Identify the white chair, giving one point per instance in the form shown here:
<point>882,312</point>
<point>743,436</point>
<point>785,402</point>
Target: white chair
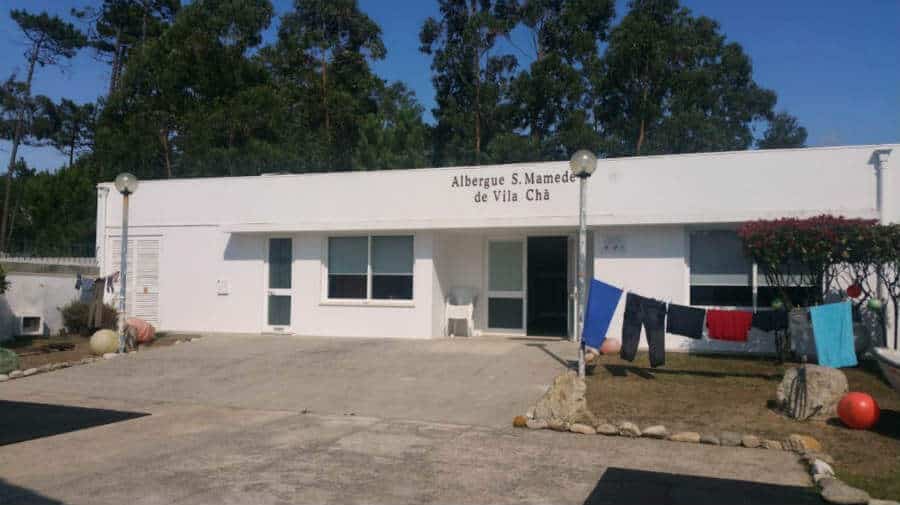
<point>460,305</point>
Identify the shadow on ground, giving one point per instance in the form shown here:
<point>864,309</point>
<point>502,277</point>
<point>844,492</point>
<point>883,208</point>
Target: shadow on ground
<point>888,424</point>
<point>10,493</point>
<point>648,373</point>
<point>638,487</point>
<point>21,421</point>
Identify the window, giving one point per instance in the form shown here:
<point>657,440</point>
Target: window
<point>722,276</point>
<point>392,268</point>
<point>377,268</point>
<point>720,273</point>
<point>348,269</point>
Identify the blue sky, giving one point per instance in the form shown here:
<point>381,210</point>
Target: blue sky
<point>834,64</point>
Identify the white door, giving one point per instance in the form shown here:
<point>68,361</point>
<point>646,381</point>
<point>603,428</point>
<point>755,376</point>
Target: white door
<point>279,282</point>
<point>142,295</point>
<point>506,286</point>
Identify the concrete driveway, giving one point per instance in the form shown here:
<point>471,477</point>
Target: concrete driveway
<point>236,419</point>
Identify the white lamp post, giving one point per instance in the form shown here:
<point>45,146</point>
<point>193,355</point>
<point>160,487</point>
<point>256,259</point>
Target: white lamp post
<point>126,184</point>
<point>582,164</point>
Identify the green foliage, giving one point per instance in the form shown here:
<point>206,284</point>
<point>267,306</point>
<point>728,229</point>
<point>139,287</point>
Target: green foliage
<point>800,252</point>
<point>52,211</point>
<point>75,317</point>
<point>549,98</point>
<point>784,131</point>
<point>4,284</point>
<point>9,361</point>
<point>669,83</point>
<point>470,82</point>
<point>49,37</point>
<point>117,26</point>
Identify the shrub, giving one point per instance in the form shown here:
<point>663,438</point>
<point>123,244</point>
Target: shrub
<point>9,361</point>
<point>4,284</point>
<point>75,317</point>
<point>803,252</point>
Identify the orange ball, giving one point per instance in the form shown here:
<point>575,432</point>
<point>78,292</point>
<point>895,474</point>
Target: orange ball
<point>610,346</point>
<point>858,410</point>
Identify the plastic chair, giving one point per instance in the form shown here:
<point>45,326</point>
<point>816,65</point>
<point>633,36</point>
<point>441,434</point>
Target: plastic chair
<point>460,305</point>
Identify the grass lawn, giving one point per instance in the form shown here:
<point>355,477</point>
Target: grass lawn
<point>35,351</point>
<point>711,394</point>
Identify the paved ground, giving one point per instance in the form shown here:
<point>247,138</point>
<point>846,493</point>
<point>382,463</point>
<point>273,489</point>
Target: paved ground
<point>268,420</point>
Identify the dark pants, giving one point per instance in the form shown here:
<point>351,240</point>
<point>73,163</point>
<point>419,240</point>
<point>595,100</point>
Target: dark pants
<point>651,314</point>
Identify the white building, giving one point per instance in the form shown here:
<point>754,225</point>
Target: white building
<point>376,253</point>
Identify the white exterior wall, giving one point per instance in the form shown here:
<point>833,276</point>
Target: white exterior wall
<point>215,229</point>
<point>653,261</point>
<point>36,294</point>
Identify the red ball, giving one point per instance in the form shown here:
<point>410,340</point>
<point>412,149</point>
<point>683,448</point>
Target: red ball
<point>858,410</point>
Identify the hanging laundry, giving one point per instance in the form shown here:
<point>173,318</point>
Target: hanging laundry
<point>770,320</point>
<point>651,315</point>
<point>802,341</point>
<point>602,302</point>
<point>833,333</point>
<point>686,321</point>
<point>730,325</point>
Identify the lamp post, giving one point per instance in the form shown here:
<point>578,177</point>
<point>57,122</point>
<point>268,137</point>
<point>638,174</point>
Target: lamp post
<point>126,184</point>
<point>582,164</point>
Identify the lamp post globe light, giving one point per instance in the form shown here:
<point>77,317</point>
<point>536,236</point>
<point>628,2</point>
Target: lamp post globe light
<point>583,163</point>
<point>126,184</point>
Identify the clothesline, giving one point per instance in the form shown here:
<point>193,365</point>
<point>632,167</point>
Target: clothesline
<point>832,325</point>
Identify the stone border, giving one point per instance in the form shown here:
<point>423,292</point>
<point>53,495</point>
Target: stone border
<point>808,448</point>
<point>50,367</point>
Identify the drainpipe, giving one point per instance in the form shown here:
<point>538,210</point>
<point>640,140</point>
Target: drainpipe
<point>879,160</point>
<point>100,233</point>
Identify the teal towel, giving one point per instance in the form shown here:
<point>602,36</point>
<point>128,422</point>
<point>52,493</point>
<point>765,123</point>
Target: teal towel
<point>833,332</point>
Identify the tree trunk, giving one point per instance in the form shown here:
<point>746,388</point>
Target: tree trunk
<point>17,139</point>
<point>896,305</point>
<point>476,73</point>
<point>325,94</point>
<point>164,141</point>
<point>116,63</point>
<point>640,140</point>
<point>72,141</point>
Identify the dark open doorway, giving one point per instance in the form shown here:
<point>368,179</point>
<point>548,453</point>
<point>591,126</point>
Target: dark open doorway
<point>548,300</point>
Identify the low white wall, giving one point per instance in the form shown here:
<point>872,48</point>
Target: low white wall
<point>33,294</point>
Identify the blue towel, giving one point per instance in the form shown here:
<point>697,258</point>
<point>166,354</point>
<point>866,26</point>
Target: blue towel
<point>833,332</point>
<point>602,302</point>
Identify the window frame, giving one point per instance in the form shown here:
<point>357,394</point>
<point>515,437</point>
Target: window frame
<point>326,298</point>
<point>755,273</point>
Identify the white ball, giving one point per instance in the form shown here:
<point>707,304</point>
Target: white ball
<point>104,341</point>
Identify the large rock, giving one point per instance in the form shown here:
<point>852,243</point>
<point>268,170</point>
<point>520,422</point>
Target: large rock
<point>835,491</point>
<point>565,401</point>
<point>802,443</point>
<point>9,361</point>
<point>811,392</point>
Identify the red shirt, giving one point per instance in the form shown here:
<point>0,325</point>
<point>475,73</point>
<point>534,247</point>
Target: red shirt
<point>729,324</point>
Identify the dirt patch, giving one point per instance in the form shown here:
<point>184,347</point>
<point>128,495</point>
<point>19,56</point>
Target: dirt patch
<point>710,394</point>
<point>37,351</point>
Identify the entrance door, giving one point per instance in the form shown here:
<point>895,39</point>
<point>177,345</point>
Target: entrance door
<point>548,299</point>
<point>506,286</point>
<point>278,296</point>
